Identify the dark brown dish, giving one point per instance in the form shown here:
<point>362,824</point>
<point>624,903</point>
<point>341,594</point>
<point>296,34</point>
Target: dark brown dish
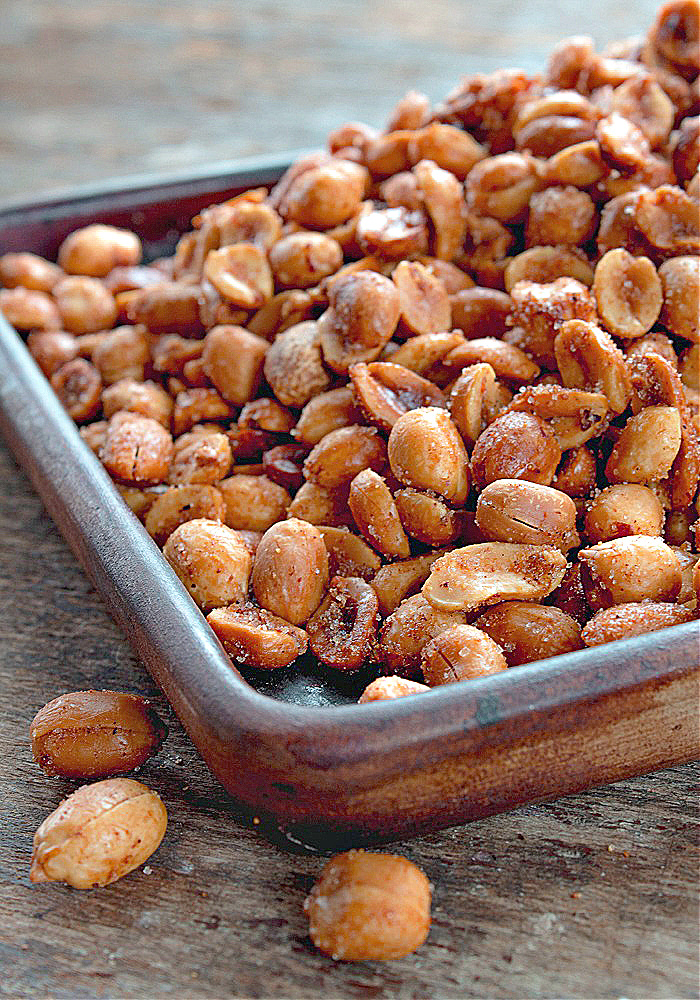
<point>287,748</point>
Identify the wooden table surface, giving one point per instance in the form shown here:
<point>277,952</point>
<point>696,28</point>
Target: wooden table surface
<point>591,896</point>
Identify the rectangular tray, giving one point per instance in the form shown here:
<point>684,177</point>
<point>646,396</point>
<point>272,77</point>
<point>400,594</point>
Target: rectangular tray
<point>328,773</point>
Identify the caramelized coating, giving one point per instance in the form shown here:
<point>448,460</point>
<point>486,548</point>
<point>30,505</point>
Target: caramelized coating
<point>527,632</point>
<point>460,653</point>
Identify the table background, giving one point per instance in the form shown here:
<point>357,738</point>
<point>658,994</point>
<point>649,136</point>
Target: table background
<point>591,896</point>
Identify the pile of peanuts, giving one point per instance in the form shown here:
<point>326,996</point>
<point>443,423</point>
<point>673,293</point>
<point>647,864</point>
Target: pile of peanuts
<point>431,402</point>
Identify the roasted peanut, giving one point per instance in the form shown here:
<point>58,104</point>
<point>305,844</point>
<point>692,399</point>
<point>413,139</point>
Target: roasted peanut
<point>576,476</point>
<point>574,415</point>
<point>628,293</point>
<point>293,364</point>
<point>92,734</point>
<point>85,304</point>
<point>192,406</point>
<point>98,834</point>
<point>339,456</point>
<point>233,359</point>
<point>514,510</point>
<point>560,216</point>
<point>51,349</point>
<point>180,504</point>
<point>325,195</point>
<point>647,446</point>
<point>428,519</point>
<point>343,630</point>
<point>444,203</point>
<point>290,570</point>
<point>77,384</point>
<point>384,391</point>
<point>325,413</point>
<point>507,361</point>
<point>394,582</point>
<point>388,688</point>
<point>301,260</point>
<point>364,308</point>
<point>253,503</point>
<point>515,446</point>
<point>391,233</point>
<point>623,621</point>
<point>480,312</point>
<point>145,398</point>
<point>256,637</point>
<point>241,274</point>
<point>136,450</point>
<point>527,632</point>
<point>211,560</point>
<point>407,630</point>
<point>200,457</point>
<point>317,505</point>
<point>29,309</point>
<point>369,907</point>
<point>96,249</point>
<point>423,354</point>
<point>122,353</point>
<point>630,569</point>
<point>627,509</point>
<point>423,300</point>
<point>348,554</point>
<point>680,281</point>
<point>588,358</point>
<point>489,572</point>
<point>27,270</point>
<point>376,516</point>
<point>426,452</point>
<point>545,265</point>
<point>460,653</point>
<point>501,186</point>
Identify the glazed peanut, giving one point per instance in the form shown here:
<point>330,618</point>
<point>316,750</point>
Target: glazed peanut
<point>527,632</point>
<point>630,569</point>
<point>486,573</point>
<point>87,735</point>
<point>515,446</point>
<point>96,249</point>
<point>627,509</point>
<point>290,571</point>
<point>343,630</point>
<point>628,293</point>
<point>460,653</point>
<point>179,504</point>
<point>476,329</point>
<point>211,560</point>
<point>513,510</point>
<point>98,834</point>
<point>388,688</point>
<point>136,450</point>
<point>233,359</point>
<point>647,446</point>
<point>427,453</point>
<point>627,620</point>
<point>257,638</point>
<point>369,907</point>
<point>376,516</point>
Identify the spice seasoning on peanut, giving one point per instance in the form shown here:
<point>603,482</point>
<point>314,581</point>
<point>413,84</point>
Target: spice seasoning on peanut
<point>92,734</point>
<point>441,356</point>
<point>98,834</point>
<point>369,907</point>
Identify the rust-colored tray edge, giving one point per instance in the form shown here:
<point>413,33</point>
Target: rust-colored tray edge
<point>344,772</point>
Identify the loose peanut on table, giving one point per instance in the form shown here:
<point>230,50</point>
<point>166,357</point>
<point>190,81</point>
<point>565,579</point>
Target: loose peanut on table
<point>98,834</point>
<point>92,734</point>
<point>442,376</point>
<point>369,907</point>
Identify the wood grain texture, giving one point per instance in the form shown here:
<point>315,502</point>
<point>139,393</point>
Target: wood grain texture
<point>219,914</point>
